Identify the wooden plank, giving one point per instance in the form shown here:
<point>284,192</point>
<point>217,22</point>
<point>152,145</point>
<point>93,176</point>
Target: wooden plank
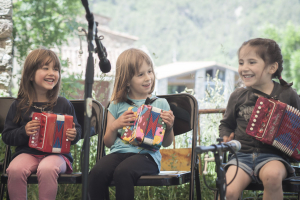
<point>176,159</point>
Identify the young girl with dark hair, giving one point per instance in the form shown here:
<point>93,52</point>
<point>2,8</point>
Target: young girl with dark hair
<point>126,163</point>
<point>38,92</point>
<point>260,61</point>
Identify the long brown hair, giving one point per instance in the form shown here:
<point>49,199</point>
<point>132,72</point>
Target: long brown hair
<point>127,66</point>
<point>270,52</point>
<point>34,61</point>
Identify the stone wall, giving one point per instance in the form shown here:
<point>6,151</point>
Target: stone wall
<point>6,27</point>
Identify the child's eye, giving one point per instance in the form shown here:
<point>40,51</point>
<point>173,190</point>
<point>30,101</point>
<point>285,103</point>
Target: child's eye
<point>240,63</point>
<point>140,74</point>
<point>149,71</point>
<point>56,69</point>
<point>45,68</point>
<point>251,62</point>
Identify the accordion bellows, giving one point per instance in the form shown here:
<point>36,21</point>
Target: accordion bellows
<point>51,136</point>
<point>148,129</point>
<point>277,124</point>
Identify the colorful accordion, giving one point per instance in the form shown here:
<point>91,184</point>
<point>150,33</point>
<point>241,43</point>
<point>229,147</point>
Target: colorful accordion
<point>51,136</point>
<point>148,129</point>
<point>277,124</point>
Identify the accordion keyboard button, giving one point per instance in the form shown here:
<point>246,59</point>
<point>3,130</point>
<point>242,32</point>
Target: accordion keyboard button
<point>254,120</point>
<point>257,112</point>
<point>256,116</point>
<point>252,124</point>
<point>261,103</point>
<point>259,107</point>
<point>251,129</point>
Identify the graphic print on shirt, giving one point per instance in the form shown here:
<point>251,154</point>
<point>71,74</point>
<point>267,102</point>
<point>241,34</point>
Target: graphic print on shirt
<point>246,112</point>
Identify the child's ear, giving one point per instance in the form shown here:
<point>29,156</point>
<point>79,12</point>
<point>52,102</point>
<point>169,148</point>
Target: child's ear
<point>273,67</point>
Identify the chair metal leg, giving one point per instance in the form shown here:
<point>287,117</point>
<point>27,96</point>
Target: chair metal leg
<point>2,191</point>
<point>198,190</point>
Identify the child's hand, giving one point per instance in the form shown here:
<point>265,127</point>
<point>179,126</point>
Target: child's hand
<point>168,118</point>
<point>71,133</point>
<point>227,139</point>
<point>32,127</point>
<point>126,119</point>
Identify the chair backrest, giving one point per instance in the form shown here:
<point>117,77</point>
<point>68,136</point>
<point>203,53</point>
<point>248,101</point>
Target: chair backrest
<point>5,103</point>
<point>96,119</point>
<point>185,109</point>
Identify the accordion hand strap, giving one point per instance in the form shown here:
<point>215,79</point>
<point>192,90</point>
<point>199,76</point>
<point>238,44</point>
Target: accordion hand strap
<point>147,102</point>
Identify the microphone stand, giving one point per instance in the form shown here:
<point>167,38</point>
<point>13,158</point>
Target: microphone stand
<point>221,180</point>
<point>89,80</point>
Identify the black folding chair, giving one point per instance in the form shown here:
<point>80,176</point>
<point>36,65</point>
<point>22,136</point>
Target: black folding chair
<point>75,177</point>
<point>185,109</point>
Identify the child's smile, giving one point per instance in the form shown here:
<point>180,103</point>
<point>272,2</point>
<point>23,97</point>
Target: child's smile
<point>45,78</point>
<point>253,70</point>
<point>141,83</point>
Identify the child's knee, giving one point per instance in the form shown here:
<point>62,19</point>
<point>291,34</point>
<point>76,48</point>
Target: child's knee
<point>232,193</point>
<point>48,170</point>
<point>18,172</point>
<point>121,173</point>
<point>273,181</point>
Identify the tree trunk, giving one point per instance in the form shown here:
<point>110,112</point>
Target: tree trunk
<point>6,28</point>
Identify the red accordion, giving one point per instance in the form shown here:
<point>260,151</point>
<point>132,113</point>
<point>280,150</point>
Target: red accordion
<point>51,136</point>
<point>277,124</point>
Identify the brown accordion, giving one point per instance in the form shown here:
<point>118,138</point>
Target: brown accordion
<point>277,124</point>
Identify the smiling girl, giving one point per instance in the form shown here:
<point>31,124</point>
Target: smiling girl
<point>38,92</point>
<point>260,61</point>
<point>126,163</point>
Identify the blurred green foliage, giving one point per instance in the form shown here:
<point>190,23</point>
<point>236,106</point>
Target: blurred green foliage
<point>288,39</point>
<point>43,23</point>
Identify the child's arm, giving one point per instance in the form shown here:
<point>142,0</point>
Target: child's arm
<point>228,123</point>
<point>113,125</point>
<point>168,118</point>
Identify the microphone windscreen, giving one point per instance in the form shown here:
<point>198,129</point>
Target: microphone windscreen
<point>104,65</point>
<point>235,144</point>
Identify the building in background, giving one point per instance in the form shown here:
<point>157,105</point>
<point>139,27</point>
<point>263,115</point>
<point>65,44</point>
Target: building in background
<point>177,76</point>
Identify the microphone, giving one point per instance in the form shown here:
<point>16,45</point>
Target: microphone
<point>234,144</point>
<point>104,63</point>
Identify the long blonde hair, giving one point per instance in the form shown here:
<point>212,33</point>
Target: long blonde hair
<point>34,61</point>
<point>127,66</point>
